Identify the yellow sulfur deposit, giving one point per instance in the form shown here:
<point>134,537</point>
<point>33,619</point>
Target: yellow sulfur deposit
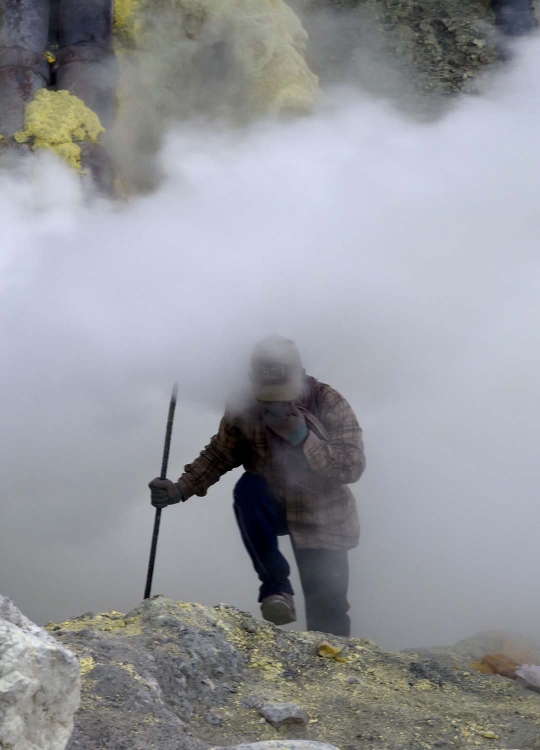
<point>87,665</point>
<point>57,120</point>
<point>132,672</point>
<point>269,45</point>
<point>226,61</point>
<point>107,622</point>
<point>262,43</point>
<point>128,19</point>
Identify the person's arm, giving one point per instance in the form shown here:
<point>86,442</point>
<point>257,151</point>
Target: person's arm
<point>221,455</point>
<point>337,454</point>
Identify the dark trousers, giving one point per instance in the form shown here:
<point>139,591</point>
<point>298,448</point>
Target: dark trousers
<point>324,573</point>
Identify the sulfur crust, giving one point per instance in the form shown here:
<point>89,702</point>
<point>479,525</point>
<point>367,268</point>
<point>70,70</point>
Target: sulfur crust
<point>59,121</point>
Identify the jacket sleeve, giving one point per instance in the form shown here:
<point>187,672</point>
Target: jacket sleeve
<point>336,453</point>
<point>221,455</point>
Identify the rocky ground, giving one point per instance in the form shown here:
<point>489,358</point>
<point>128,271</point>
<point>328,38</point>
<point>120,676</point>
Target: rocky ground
<point>436,46</point>
<point>174,675</point>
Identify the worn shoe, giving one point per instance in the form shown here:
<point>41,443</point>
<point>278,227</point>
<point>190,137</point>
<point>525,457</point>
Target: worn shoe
<point>278,609</point>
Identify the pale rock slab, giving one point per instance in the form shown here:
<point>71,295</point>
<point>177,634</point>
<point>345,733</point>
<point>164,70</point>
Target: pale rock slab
<point>40,685</point>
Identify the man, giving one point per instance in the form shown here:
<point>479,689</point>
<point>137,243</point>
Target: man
<point>300,444</point>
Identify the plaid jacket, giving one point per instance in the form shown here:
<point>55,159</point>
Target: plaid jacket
<point>309,480</point>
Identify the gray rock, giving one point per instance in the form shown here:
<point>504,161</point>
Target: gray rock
<point>529,676</point>
<point>213,719</point>
<point>279,714</point>
<point>256,700</point>
<point>40,685</point>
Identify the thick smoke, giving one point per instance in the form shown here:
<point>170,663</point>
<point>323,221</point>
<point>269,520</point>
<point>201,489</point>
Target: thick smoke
<point>401,257</point>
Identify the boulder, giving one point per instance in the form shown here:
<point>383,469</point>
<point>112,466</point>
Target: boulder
<point>281,714</point>
<point>39,685</point>
<point>529,676</point>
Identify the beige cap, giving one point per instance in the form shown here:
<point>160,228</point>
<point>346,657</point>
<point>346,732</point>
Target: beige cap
<point>277,373</point>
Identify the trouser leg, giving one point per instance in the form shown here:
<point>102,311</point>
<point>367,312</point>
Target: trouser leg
<point>261,519</point>
<point>325,579</point>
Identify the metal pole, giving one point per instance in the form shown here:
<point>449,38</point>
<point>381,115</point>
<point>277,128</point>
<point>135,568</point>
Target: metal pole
<point>164,464</point>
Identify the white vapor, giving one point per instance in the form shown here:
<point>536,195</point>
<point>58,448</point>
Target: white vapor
<point>402,258</point>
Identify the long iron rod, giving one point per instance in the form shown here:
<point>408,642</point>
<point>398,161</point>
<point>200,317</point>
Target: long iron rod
<point>163,475</point>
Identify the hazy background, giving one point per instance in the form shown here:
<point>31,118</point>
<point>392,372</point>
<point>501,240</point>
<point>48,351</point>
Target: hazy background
<point>402,258</point>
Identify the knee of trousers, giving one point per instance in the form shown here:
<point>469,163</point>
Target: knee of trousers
<point>248,487</point>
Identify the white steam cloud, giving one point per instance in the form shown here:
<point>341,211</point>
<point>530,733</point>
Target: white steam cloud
<point>402,258</point>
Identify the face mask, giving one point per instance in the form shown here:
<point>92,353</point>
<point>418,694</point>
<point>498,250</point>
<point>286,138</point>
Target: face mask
<point>277,408</point>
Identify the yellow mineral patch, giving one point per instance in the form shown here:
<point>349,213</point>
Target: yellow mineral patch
<point>424,685</point>
<point>57,121</point>
<point>257,645</point>
<point>265,39</point>
<point>269,668</point>
<point>107,621</point>
<point>132,672</point>
<point>87,665</point>
<point>128,21</point>
<point>269,43</point>
<point>115,624</point>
